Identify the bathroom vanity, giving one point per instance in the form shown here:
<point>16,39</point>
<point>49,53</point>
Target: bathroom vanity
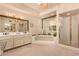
<point>13,31</point>
<point>16,40</point>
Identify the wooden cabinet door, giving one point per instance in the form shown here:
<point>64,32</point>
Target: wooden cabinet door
<point>2,43</point>
<point>18,41</point>
<point>27,39</point>
<point>9,44</point>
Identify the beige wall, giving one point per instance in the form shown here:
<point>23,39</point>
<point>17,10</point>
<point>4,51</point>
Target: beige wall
<point>36,28</point>
<point>67,7</point>
<point>36,21</point>
<point>63,7</point>
<point>7,11</point>
<point>32,20</point>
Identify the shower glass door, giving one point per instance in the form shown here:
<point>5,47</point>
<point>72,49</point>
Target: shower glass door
<point>69,30</point>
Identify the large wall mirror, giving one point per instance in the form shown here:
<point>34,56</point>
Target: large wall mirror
<point>12,24</point>
<point>49,25</point>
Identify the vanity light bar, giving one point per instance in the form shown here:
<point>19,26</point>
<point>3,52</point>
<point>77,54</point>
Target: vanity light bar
<point>13,17</point>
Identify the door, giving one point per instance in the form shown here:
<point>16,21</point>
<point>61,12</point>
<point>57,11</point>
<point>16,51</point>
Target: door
<point>64,30</point>
<point>75,30</point>
<point>69,30</point>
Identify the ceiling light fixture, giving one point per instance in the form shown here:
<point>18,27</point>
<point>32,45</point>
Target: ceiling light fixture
<point>43,5</point>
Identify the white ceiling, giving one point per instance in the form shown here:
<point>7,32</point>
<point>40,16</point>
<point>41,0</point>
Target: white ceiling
<point>31,8</point>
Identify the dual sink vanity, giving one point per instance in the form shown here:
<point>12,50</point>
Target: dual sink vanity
<point>13,32</point>
<point>14,40</point>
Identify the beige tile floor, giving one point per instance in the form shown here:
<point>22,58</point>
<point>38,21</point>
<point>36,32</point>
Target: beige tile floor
<point>42,50</point>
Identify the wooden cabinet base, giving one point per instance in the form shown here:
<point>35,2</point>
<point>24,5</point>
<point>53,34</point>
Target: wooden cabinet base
<point>16,47</point>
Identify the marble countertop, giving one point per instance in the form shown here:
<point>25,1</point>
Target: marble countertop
<point>10,35</point>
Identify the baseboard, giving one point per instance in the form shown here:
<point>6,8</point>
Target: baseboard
<point>16,47</point>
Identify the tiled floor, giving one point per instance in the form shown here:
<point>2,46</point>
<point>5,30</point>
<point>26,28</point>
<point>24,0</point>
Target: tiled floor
<point>42,50</point>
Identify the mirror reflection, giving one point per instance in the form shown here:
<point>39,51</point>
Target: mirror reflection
<point>49,26</point>
<point>9,24</point>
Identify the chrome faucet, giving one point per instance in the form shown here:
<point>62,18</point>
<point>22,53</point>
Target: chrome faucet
<point>5,33</point>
